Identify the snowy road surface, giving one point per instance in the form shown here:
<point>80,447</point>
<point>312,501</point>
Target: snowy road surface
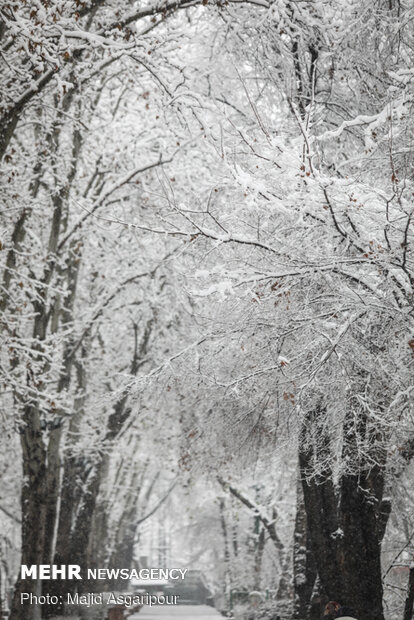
<point>178,612</point>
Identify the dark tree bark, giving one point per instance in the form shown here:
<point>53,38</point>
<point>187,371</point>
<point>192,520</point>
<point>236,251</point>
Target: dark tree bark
<point>409,601</point>
<point>321,506</point>
<point>346,521</point>
<point>33,508</point>
<point>79,497</point>
<point>82,479</point>
<point>304,569</point>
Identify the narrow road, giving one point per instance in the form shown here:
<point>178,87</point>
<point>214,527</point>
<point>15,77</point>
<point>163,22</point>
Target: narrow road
<point>177,612</point>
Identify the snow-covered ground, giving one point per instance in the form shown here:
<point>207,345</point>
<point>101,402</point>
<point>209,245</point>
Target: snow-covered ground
<point>180,612</point>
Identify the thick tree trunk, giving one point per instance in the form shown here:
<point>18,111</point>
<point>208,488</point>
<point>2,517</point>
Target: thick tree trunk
<point>346,521</point>
<point>72,547</point>
<point>122,543</point>
<point>98,552</point>
<point>80,490</point>
<point>361,549</point>
<point>317,601</point>
<point>362,518</point>
<point>123,554</point>
<point>320,503</point>
<point>304,569</point>
<point>33,510</point>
